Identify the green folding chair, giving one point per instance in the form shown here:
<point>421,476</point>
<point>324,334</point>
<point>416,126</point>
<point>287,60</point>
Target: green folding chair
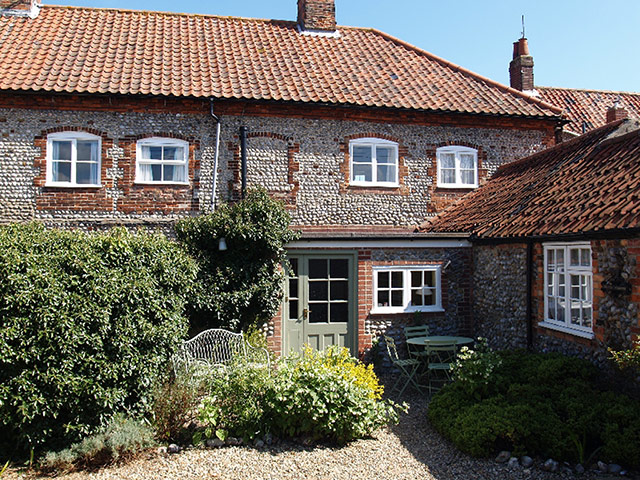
<point>416,351</point>
<point>440,357</point>
<point>407,368</point>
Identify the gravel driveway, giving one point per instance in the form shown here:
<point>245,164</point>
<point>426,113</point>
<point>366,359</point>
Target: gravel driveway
<point>409,450</point>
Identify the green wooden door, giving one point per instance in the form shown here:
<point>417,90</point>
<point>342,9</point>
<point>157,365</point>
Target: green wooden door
<point>319,303</point>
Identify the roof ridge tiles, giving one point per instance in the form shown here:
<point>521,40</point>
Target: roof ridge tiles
<point>594,90</point>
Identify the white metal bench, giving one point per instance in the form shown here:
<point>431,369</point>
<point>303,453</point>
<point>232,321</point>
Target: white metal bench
<point>218,348</point>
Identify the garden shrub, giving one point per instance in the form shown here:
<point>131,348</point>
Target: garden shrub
<point>325,396</point>
<point>123,438</point>
<point>88,324</point>
<point>328,396</point>
<point>240,286</point>
<point>538,404</point>
<point>235,406</point>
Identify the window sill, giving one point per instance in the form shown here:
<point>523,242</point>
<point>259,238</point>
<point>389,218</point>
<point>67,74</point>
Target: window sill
<point>160,184</point>
<point>387,310</point>
<point>71,185</point>
<point>571,331</point>
<point>455,186</point>
<point>373,184</point>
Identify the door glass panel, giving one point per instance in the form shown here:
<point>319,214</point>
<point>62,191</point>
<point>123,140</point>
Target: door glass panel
<point>318,290</point>
<point>318,312</point>
<point>339,290</point>
<point>293,309</point>
<point>339,312</point>
<point>317,268</point>
<point>339,268</point>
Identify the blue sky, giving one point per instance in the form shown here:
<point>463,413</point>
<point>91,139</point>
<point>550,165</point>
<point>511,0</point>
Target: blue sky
<point>575,43</point>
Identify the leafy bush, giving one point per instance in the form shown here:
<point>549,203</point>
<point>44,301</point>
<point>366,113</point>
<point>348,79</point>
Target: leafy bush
<point>328,395</point>
<point>324,396</point>
<point>122,438</point>
<point>473,368</point>
<point>88,323</point>
<point>627,358</point>
<point>539,404</point>
<point>236,404</point>
<point>240,286</point>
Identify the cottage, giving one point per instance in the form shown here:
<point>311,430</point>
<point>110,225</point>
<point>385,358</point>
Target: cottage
<point>556,246</point>
<point>120,117</point>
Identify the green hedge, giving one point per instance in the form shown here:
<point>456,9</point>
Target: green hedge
<point>88,323</point>
<point>539,404</point>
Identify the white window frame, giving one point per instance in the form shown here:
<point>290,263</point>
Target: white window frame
<point>583,271</point>
<point>373,143</point>
<point>457,150</point>
<point>162,142</point>
<point>73,137</point>
<point>406,289</point>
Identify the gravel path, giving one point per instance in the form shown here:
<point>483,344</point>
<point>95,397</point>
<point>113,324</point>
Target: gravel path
<point>409,450</point>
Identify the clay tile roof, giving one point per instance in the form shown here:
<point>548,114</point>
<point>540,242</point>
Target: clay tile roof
<point>71,49</point>
<point>588,184</point>
<point>588,108</point>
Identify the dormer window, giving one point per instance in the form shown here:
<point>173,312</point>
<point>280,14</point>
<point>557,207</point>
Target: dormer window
<point>73,159</point>
<point>457,167</point>
<point>374,162</point>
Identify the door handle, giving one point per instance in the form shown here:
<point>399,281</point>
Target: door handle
<point>305,313</point>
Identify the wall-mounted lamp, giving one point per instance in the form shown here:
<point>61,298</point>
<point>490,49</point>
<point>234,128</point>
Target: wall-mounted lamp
<point>222,244</point>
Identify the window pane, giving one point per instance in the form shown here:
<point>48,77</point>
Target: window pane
<point>156,173</point>
<point>339,312</point>
<point>574,257</point>
<point>560,310</point>
<point>429,296</point>
<point>87,151</point>
<point>550,284</point>
<point>383,279</point>
<point>293,309</point>
<point>560,259</point>
<point>466,161</point>
<point>585,257</point>
<point>318,290</point>
<point>575,286</point>
<point>386,173</point>
<point>575,313</point>
<point>173,153</point>
<point>170,173</point>
<point>468,177</point>
<point>385,155</point>
<point>447,160</point>
<point>151,153</point>
<point>416,297</point>
<point>396,279</point>
<point>61,151</point>
<point>416,278</point>
<point>318,312</point>
<point>362,173</point>
<point>61,171</point>
<point>396,298</point>
<point>339,290</point>
<point>87,173</point>
<point>293,288</point>
<point>430,278</point>
<point>339,268</point>
<point>317,268</point>
<point>561,286</point>
<point>448,176</point>
<point>551,311</point>
<point>362,154</point>
<point>586,316</point>
<point>383,298</point>
<point>551,260</point>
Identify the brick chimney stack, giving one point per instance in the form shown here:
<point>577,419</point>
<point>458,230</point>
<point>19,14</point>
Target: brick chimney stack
<point>21,8</point>
<point>521,67</point>
<point>616,113</point>
<point>317,15</point>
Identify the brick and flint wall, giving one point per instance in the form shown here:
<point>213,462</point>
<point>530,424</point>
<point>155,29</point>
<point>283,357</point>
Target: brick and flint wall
<point>500,299</point>
<point>300,156</point>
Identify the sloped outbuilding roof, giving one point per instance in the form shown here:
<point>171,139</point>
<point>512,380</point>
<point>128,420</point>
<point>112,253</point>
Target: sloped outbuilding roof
<point>587,109</point>
<point>589,184</point>
<point>113,51</point>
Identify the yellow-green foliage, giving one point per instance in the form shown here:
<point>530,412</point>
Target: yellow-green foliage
<point>339,361</point>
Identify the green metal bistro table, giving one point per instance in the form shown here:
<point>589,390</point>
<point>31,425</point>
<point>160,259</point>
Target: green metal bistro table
<point>440,339</point>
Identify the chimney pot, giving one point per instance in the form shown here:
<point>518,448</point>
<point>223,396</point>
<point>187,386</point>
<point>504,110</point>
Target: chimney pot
<point>317,15</point>
<point>521,67</point>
